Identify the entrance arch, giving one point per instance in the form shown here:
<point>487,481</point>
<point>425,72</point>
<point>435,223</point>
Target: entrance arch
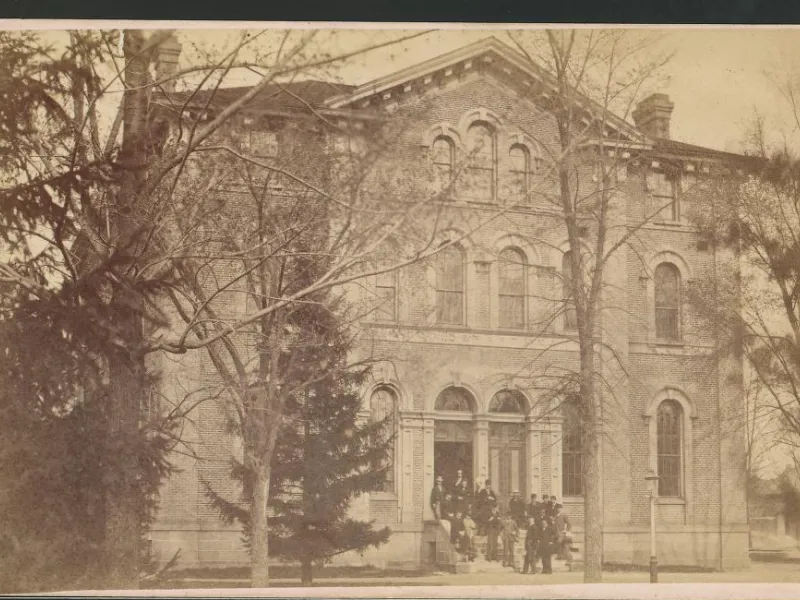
<point>453,448</point>
<point>508,444</point>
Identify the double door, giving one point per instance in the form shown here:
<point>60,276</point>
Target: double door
<point>507,460</point>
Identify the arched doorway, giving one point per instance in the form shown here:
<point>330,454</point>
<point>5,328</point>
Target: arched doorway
<point>453,435</point>
<point>507,444</point>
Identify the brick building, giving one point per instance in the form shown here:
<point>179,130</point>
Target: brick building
<point>472,344</point>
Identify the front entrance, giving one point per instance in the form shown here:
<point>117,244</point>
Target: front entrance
<point>452,450</point>
<point>507,460</point>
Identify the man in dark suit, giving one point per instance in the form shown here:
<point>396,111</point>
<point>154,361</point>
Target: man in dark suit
<point>532,508</point>
<point>437,497</point>
<point>458,481</point>
<point>484,503</point>
<point>549,506</point>
<point>493,528</point>
<point>516,509</point>
<point>462,496</point>
<point>548,541</point>
<point>531,546</point>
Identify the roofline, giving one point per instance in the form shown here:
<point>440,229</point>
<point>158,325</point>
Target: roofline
<point>463,53</point>
<point>387,81</point>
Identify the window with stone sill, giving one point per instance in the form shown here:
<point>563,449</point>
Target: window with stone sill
<point>450,278</point>
<point>511,280</point>
<point>520,172</point>
<point>264,144</point>
<point>669,432</point>
<point>443,162</point>
<point>570,314</point>
<point>481,172</point>
<point>571,454</point>
<point>386,297</point>
<point>667,287</point>
<point>665,197</point>
<point>383,409</point>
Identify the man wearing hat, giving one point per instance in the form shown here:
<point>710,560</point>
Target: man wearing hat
<point>437,497</point>
<point>516,509</point>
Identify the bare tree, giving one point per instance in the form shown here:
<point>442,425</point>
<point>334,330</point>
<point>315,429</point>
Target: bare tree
<point>100,201</point>
<point>595,79</point>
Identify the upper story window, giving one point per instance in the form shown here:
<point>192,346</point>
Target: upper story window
<point>570,315</point>
<point>519,157</point>
<point>667,286</point>
<point>669,435</point>
<point>571,452</point>
<point>666,200</point>
<point>450,286</point>
<point>386,292</point>
<point>482,165</point>
<point>383,409</point>
<point>511,279</point>
<point>264,144</point>
<point>443,159</point>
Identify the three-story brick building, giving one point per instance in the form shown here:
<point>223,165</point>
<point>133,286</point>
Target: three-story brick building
<point>474,346</point>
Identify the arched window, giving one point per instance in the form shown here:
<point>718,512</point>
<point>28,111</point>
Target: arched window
<point>520,160</point>
<point>383,409</point>
<point>511,279</point>
<point>454,399</point>
<point>571,454</point>
<point>667,285</point>
<point>450,286</point>
<point>570,316</point>
<point>669,436</point>
<point>443,158</point>
<point>507,401</point>
<point>482,161</point>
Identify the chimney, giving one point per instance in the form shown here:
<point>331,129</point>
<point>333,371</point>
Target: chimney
<point>166,61</point>
<point>652,115</point>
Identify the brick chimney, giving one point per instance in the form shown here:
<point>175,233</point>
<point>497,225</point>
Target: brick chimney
<point>652,115</point>
<point>166,61</point>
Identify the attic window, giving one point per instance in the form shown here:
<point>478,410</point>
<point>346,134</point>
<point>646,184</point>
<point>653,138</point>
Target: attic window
<point>264,144</point>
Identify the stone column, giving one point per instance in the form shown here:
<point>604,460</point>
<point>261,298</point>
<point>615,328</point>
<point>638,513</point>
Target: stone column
<point>533,460</point>
<point>406,483</point>
<point>480,451</point>
<point>427,465</point>
<point>554,435</point>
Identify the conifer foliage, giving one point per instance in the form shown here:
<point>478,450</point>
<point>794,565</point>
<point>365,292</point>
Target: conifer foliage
<point>328,452</point>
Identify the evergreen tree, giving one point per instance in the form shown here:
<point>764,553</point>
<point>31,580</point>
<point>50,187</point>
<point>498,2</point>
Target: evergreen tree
<point>57,462</point>
<point>326,454</point>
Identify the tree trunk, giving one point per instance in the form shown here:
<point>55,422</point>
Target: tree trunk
<point>122,531</point>
<point>306,572</point>
<point>592,505</point>
<point>259,559</point>
<point>126,367</point>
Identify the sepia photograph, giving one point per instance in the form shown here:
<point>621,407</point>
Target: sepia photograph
<point>298,309</point>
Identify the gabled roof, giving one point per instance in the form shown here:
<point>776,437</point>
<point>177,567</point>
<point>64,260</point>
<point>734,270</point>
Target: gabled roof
<point>491,51</point>
<point>291,96</point>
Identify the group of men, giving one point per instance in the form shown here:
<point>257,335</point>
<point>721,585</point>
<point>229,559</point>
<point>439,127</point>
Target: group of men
<point>547,527</point>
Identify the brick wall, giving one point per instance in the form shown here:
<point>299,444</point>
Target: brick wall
<point>425,358</point>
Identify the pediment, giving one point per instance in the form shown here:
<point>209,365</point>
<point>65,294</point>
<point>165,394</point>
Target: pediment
<point>490,58</point>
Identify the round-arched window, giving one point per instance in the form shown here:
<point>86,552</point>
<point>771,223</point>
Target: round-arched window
<point>454,399</point>
<point>507,401</point>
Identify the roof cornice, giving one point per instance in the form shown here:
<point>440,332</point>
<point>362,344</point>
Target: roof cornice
<point>474,51</point>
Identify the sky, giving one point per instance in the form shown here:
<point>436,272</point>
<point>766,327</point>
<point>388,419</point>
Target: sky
<point>718,78</point>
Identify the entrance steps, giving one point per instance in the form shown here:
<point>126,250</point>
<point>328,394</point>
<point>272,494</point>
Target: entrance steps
<point>444,555</point>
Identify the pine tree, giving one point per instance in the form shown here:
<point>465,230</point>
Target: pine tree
<point>326,454</point>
